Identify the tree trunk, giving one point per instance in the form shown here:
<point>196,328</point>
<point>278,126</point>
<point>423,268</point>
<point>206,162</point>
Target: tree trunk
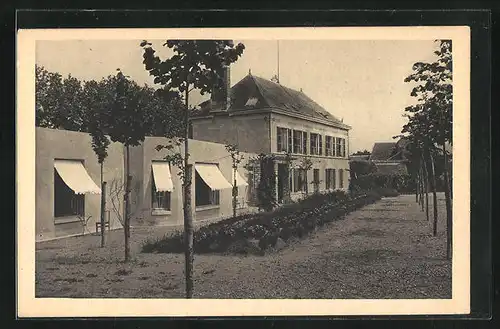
<point>422,179</point>
<point>420,189</point>
<point>450,178</point>
<point>449,219</point>
<point>426,189</point>
<point>417,192</point>
<point>235,192</point>
<point>126,228</point>
<point>287,186</point>
<point>306,182</point>
<point>434,195</point>
<point>419,183</point>
<point>188,215</point>
<point>103,207</point>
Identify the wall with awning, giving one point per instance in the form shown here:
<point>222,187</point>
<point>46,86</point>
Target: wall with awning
<point>212,176</point>
<point>70,155</point>
<point>74,174</point>
<point>210,160</point>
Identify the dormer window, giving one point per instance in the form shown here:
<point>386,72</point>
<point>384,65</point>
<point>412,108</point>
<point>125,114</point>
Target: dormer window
<point>251,102</point>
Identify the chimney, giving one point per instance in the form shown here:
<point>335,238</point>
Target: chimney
<point>221,98</point>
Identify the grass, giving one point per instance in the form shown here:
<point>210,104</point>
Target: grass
<point>384,250</point>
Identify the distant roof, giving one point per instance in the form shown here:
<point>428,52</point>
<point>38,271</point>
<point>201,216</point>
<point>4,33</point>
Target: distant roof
<point>391,168</point>
<point>359,157</point>
<point>254,92</point>
<point>383,151</point>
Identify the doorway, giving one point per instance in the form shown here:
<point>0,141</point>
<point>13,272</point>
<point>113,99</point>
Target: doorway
<point>282,181</point>
<point>316,180</point>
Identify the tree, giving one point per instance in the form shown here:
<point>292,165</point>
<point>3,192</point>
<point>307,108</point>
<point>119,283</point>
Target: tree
<point>66,104</point>
<point>58,101</point>
<point>196,64</point>
<point>236,160</point>
<point>96,104</point>
<point>422,147</point>
<point>287,189</point>
<point>48,89</point>
<point>365,152</point>
<point>434,92</point>
<point>361,167</point>
<point>162,113</point>
<point>266,190</point>
<point>128,128</point>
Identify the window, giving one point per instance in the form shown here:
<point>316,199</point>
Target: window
<point>338,150</point>
<point>316,179</point>
<point>316,144</point>
<point>284,139</point>
<point>299,142</point>
<point>159,199</point>
<point>329,146</point>
<point>204,196</point>
<point>330,178</point>
<point>304,142</point>
<point>341,178</point>
<point>251,102</point>
<point>66,202</point>
<point>299,180</point>
<point>161,185</point>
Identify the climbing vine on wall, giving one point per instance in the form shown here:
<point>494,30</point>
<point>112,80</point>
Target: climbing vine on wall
<point>266,190</point>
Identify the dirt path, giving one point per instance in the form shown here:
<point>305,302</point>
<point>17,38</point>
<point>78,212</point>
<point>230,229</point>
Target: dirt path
<point>384,250</point>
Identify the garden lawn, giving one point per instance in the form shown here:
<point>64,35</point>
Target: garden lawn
<point>384,250</point>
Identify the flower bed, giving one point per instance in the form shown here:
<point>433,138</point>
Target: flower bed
<point>255,233</point>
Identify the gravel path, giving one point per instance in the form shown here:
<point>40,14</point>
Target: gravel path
<point>384,250</point>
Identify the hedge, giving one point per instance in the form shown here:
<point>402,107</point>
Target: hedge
<point>261,231</point>
<point>403,183</point>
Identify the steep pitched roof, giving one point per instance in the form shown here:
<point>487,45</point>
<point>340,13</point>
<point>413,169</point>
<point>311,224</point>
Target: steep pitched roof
<point>263,94</point>
<point>383,151</point>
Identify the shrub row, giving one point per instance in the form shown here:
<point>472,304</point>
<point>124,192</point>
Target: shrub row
<point>261,231</point>
<point>402,183</point>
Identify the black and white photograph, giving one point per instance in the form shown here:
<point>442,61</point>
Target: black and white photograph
<point>309,165</point>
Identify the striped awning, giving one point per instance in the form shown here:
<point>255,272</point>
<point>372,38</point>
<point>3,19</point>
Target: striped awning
<point>212,176</point>
<point>162,176</point>
<point>74,174</point>
<point>240,181</point>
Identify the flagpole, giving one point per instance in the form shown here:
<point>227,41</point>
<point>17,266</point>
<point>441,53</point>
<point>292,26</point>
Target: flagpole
<point>278,59</point>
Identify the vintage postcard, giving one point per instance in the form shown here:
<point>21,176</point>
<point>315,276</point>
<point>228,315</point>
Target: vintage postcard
<point>245,171</point>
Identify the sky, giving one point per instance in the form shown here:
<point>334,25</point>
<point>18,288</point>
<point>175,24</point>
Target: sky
<point>361,82</point>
